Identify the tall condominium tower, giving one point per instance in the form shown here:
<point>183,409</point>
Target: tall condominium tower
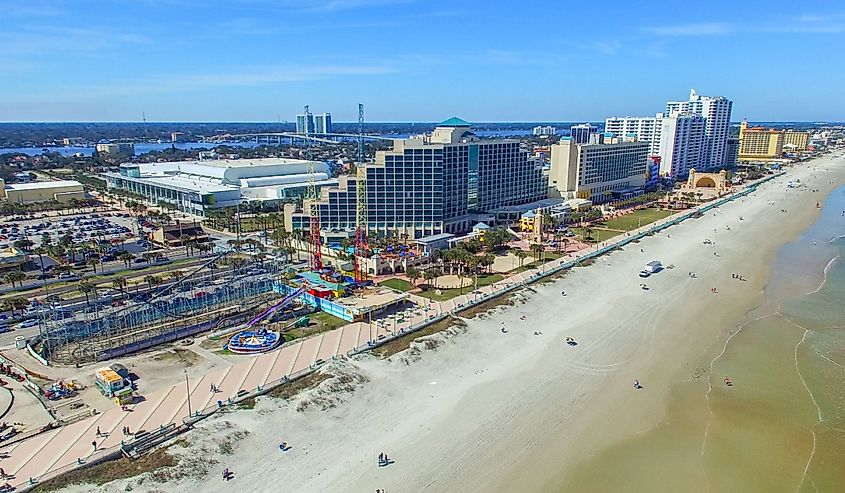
<point>682,143</point>
<point>717,114</point>
<point>580,134</point>
<point>643,128</point>
<point>323,123</point>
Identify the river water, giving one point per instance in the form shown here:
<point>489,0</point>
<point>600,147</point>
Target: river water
<point>144,147</point>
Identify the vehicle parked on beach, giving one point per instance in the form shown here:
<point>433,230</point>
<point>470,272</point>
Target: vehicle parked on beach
<point>652,267</point>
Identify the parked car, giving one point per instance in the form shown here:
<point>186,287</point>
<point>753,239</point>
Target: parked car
<point>27,323</point>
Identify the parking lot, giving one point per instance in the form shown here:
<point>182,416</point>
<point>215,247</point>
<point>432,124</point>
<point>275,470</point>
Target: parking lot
<point>112,227</point>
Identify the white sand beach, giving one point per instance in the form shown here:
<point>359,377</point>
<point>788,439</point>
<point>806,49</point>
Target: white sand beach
<point>487,411</point>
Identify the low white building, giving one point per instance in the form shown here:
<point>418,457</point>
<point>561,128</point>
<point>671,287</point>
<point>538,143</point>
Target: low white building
<point>197,186</point>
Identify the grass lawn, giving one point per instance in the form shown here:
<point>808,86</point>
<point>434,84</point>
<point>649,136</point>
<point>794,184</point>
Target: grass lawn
<point>547,257</point>
<point>447,294</point>
<point>641,217</point>
<point>598,235</point>
<point>398,284</point>
<point>319,322</point>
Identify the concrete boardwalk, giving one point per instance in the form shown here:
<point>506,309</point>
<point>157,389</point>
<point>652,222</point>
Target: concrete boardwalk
<point>63,448</point>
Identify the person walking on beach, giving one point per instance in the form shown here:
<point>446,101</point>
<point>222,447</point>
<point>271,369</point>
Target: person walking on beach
<point>503,328</point>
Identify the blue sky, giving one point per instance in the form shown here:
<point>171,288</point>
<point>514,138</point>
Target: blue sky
<point>409,60</point>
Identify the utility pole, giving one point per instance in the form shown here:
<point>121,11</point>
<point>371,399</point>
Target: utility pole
<point>188,393</point>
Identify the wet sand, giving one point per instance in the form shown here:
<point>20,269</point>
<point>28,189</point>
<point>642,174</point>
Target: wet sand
<point>781,425</point>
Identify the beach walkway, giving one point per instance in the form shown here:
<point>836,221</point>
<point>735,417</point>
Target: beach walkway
<point>195,396</point>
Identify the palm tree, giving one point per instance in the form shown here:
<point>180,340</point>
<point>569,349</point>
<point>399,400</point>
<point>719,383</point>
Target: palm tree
<point>40,251</point>
<point>126,257</point>
<point>151,280</point>
<point>94,262</point>
<point>189,247</point>
<point>431,274</point>
<point>586,233</point>
<point>413,274</point>
<point>24,244</point>
<point>120,283</point>
<point>487,261</point>
<point>86,288</point>
<point>14,276</point>
<point>521,254</point>
<point>13,304</point>
<point>537,250</point>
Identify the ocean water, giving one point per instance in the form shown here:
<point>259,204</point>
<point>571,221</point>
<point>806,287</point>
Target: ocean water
<point>781,426</point>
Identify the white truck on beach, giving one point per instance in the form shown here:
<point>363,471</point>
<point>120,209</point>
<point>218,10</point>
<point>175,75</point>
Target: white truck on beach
<point>650,268</point>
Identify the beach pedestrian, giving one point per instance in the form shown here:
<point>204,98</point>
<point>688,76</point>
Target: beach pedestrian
<point>98,432</point>
<point>94,445</point>
<point>128,431</point>
<point>2,473</point>
<point>636,384</point>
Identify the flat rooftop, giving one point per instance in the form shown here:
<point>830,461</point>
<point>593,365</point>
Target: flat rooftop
<point>372,300</point>
<point>42,184</point>
<point>179,182</point>
<point>229,163</point>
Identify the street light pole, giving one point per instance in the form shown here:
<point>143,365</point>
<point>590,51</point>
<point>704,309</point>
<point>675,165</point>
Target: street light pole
<point>188,393</point>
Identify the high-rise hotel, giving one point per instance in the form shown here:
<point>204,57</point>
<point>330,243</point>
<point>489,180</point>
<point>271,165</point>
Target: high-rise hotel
<point>690,134</point>
<point>431,184</point>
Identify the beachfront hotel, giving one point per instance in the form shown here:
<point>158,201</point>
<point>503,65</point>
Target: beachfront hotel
<point>643,128</point>
<point>430,184</point>
<point>682,144</point>
<point>759,144</point>
<point>717,116</point>
<point>598,172</point>
<point>711,151</point>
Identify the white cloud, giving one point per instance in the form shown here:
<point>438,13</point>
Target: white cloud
<point>804,24</point>
<point>606,47</point>
<point>699,29</point>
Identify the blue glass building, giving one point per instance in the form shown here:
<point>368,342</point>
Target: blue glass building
<point>432,184</point>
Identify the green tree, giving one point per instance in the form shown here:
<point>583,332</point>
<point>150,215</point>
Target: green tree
<point>23,244</point>
<point>521,254</point>
<point>14,276</point>
<point>537,250</point>
<point>120,283</point>
<point>13,304</point>
<point>94,262</point>
<point>430,275</point>
<point>413,274</point>
<point>126,257</point>
<point>86,288</point>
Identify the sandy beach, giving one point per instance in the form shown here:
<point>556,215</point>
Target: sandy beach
<point>487,411</point>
